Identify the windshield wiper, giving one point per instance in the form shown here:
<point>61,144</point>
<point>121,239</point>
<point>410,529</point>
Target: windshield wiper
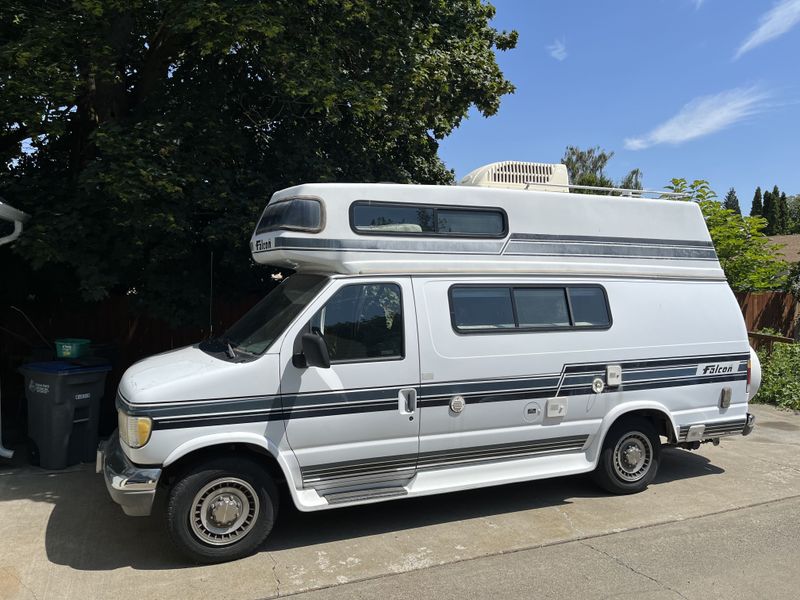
<point>219,344</point>
<point>232,350</point>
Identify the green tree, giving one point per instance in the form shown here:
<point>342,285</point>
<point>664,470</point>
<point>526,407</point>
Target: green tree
<point>697,190</point>
<point>788,212</point>
<point>632,181</point>
<point>776,211</point>
<point>783,212</point>
<point>587,167</point>
<point>749,260</point>
<point>757,208</point>
<point>143,135</point>
<point>731,202</point>
<point>770,213</point>
<point>793,211</point>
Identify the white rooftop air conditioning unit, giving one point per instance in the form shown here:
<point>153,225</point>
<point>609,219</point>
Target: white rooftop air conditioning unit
<point>518,175</point>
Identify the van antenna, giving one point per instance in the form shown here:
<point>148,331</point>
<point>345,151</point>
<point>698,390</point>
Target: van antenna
<point>211,297</point>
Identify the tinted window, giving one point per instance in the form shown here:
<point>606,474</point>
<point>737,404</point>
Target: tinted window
<point>410,219</point>
<point>479,222</point>
<point>589,307</point>
<point>477,308</point>
<point>362,322</point>
<point>397,218</point>
<point>482,308</point>
<point>297,213</point>
<point>541,307</point>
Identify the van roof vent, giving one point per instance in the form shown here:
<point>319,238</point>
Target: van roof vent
<point>515,174</point>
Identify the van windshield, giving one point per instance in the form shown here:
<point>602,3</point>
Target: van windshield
<point>259,328</point>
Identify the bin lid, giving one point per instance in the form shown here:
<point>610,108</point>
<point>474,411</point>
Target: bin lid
<point>65,367</point>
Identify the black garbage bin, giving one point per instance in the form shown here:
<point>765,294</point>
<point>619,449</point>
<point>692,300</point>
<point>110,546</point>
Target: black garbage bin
<point>63,410</point>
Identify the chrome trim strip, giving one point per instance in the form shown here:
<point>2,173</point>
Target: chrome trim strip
<point>611,240</point>
<point>328,472</point>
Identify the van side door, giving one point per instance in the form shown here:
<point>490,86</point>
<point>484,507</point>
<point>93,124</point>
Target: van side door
<point>493,355</point>
<point>355,425</point>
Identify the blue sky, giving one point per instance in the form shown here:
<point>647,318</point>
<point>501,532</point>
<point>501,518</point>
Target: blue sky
<point>702,89</point>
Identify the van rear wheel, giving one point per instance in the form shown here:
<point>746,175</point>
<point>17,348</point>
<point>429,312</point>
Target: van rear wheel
<point>630,457</point>
<point>221,510</point>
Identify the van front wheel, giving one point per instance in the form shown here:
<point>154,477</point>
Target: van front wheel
<point>221,510</point>
<point>630,457</point>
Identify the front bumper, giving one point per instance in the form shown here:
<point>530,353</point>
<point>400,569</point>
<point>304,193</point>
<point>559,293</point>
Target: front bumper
<point>130,486</point>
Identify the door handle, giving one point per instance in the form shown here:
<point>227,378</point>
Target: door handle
<point>407,401</point>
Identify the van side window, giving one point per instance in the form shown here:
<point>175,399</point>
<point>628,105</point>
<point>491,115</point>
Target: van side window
<point>362,322</point>
<point>482,308</point>
<point>394,218</point>
<point>488,308</point>
<point>541,307</point>
<point>589,308</point>
<point>470,222</point>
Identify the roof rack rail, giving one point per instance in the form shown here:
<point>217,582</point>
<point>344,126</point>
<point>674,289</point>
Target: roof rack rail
<point>597,188</point>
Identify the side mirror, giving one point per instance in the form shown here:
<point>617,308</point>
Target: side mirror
<point>315,351</point>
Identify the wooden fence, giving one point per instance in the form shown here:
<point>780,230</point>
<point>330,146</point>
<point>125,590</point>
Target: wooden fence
<point>773,310</point>
<point>759,341</point>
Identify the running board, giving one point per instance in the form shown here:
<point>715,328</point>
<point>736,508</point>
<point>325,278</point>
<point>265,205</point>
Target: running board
<point>361,495</point>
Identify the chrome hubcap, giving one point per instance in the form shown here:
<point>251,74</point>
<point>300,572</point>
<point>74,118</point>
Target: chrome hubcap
<point>224,511</point>
<point>633,456</point>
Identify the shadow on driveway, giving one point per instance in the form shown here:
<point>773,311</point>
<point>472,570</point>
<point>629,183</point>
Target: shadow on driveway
<point>87,531</point>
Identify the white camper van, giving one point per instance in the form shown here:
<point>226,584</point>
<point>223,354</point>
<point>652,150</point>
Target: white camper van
<point>433,339</point>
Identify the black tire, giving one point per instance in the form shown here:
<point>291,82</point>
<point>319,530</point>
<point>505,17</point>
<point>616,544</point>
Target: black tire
<point>241,487</point>
<point>628,439</point>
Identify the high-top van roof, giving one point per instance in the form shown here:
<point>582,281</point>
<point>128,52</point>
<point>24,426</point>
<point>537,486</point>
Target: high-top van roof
<point>393,228</point>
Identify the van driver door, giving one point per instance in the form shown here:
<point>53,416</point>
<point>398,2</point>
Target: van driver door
<point>355,425</point>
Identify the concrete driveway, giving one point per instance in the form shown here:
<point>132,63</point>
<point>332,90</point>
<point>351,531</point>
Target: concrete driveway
<point>62,537</point>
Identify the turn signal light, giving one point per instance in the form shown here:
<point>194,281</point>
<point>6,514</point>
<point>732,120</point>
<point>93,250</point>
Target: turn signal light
<point>134,431</point>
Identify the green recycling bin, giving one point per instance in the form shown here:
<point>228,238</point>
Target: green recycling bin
<point>63,410</point>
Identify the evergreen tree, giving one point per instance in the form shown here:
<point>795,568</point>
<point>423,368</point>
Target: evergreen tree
<point>757,208</point>
<point>781,210</point>
<point>770,213</point>
<point>731,202</point>
<point>791,222</point>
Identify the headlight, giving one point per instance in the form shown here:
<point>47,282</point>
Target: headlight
<point>134,431</point>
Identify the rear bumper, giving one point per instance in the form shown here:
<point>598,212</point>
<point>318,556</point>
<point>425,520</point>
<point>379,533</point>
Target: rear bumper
<point>130,486</point>
<point>700,432</point>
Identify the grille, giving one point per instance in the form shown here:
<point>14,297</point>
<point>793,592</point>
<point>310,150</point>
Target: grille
<point>521,172</point>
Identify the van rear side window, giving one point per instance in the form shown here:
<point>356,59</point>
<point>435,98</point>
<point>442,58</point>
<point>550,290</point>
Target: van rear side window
<point>489,308</point>
<point>301,214</point>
